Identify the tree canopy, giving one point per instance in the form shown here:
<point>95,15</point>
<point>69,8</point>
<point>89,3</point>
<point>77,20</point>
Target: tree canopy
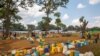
<point>9,10</point>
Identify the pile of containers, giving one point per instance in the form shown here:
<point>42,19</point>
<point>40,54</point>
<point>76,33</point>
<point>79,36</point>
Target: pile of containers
<point>67,48</point>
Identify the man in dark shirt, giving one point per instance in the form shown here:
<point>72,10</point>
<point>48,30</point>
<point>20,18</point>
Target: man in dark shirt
<point>97,38</point>
<point>88,36</point>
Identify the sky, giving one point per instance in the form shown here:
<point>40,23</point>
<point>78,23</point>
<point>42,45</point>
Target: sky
<point>90,9</point>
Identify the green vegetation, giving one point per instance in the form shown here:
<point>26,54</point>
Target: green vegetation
<point>49,6</point>
<point>58,21</point>
<point>9,10</point>
<point>9,16</point>
<point>83,25</point>
<point>18,27</point>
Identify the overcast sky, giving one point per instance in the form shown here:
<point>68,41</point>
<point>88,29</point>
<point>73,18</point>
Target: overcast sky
<point>69,16</point>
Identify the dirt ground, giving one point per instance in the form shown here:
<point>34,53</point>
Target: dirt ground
<point>14,44</point>
<point>6,45</point>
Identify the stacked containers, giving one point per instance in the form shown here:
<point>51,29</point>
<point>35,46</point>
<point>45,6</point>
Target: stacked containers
<point>52,50</point>
<point>76,53</point>
<point>71,53</point>
<point>46,50</point>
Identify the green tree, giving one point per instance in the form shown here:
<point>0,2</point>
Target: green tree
<point>52,27</point>
<point>18,27</point>
<point>77,28</point>
<point>49,6</point>
<point>46,21</point>
<point>63,26</point>
<point>41,25</point>
<point>8,12</point>
<point>0,25</point>
<point>58,21</point>
<point>71,27</point>
<point>8,20</point>
<point>30,29</point>
<point>1,4</point>
<point>83,24</point>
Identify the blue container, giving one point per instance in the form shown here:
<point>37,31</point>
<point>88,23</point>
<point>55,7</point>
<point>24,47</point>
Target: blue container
<point>28,55</point>
<point>82,44</point>
<point>67,43</point>
<point>43,55</point>
<point>76,53</point>
<point>36,53</point>
<point>78,45</point>
<point>85,43</point>
<point>46,50</point>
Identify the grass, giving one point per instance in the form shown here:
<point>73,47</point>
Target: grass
<point>94,32</point>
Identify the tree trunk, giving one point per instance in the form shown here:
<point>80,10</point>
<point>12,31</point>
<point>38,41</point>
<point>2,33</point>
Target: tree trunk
<point>83,31</point>
<point>7,19</point>
<point>7,28</point>
<point>47,23</point>
<point>6,33</point>
<point>46,28</point>
<point>58,29</point>
<point>3,31</point>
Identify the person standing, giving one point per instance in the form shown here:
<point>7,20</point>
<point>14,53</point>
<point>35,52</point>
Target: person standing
<point>14,36</point>
<point>88,36</point>
<point>81,35</point>
<point>97,38</point>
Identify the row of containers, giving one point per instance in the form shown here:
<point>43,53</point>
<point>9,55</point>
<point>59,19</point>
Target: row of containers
<point>67,48</point>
